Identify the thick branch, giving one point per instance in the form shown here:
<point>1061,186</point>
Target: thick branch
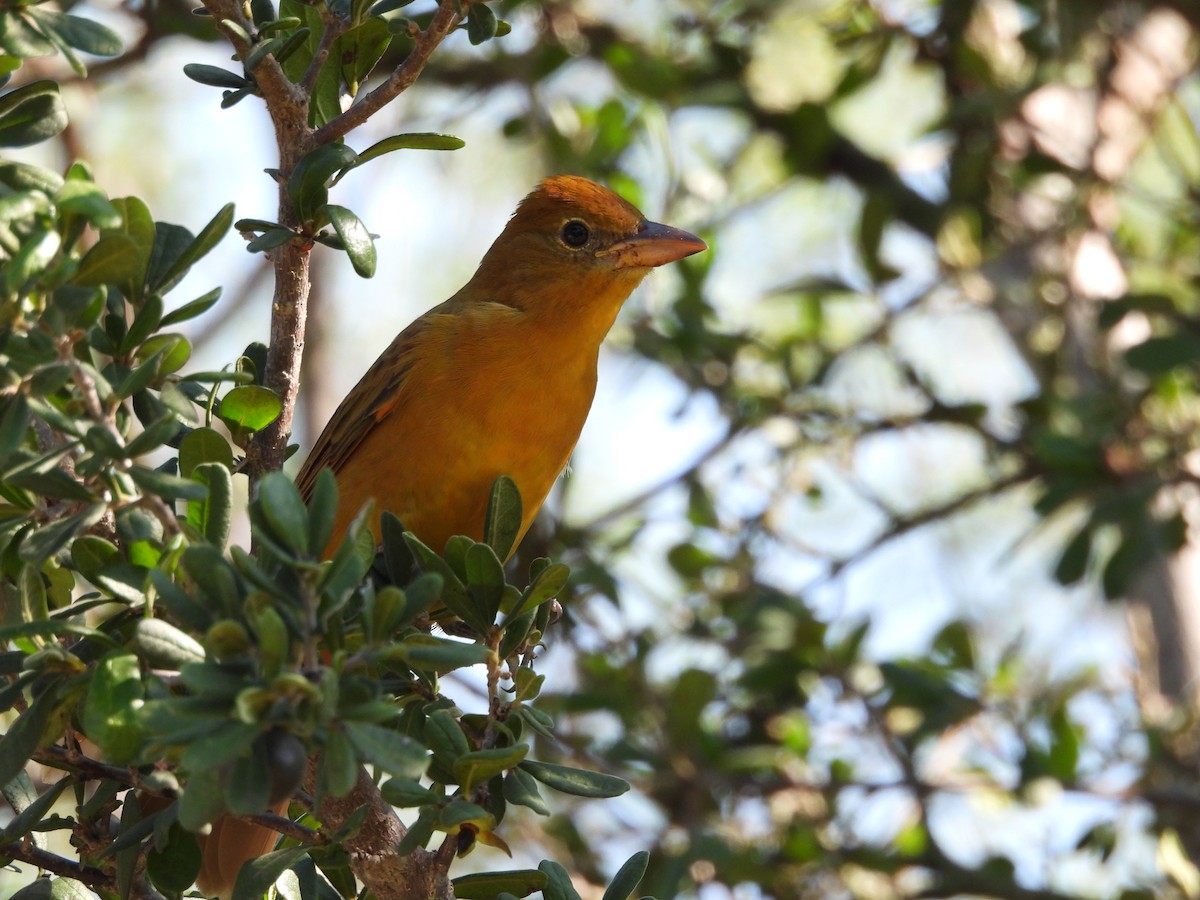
<point>289,316</point>
<point>421,875</point>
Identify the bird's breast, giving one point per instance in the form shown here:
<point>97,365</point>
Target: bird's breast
<point>478,402</point>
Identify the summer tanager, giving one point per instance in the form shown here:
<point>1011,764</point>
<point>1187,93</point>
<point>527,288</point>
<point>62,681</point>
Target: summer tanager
<point>497,380</point>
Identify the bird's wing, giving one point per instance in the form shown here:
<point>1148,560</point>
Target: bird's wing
<point>375,395</point>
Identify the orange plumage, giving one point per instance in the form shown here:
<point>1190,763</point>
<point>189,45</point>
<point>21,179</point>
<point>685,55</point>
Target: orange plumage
<point>499,378</point>
<point>496,380</point>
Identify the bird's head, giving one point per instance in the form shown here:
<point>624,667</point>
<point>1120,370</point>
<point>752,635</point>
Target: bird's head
<point>573,231</point>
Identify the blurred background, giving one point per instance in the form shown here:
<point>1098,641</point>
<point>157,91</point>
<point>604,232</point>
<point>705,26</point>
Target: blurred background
<point>882,524</point>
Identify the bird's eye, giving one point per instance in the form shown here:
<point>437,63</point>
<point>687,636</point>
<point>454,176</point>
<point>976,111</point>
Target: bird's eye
<point>575,233</point>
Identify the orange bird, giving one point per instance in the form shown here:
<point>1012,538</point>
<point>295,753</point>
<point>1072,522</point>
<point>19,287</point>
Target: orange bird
<point>497,380</point>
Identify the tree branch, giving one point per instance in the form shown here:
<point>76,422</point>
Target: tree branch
<point>444,21</point>
<point>94,878</point>
<point>421,875</point>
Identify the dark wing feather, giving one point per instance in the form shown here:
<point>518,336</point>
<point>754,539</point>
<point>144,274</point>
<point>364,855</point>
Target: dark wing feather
<point>364,407</point>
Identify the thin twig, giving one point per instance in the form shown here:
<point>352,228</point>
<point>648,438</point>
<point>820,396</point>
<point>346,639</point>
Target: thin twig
<point>334,26</point>
<point>277,90</point>
<point>910,523</point>
<point>444,21</point>
<point>94,878</point>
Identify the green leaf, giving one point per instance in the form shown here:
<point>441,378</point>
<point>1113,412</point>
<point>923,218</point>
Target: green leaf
<point>355,238</point>
<point>14,424</point>
<point>353,55</point>
<point>521,789</point>
<point>85,198</point>
<point>170,242</point>
<point>270,239</point>
<point>458,812</point>
<point>1159,354</point>
<point>478,766</point>
<point>138,225</point>
<point>91,553</point>
<point>454,593</point>
<point>176,351</point>
<point>169,487</point>
<point>1072,564</point>
<point>110,712</point>
<point>21,206</point>
<point>202,801</point>
<point>49,539</point>
<point>174,866</point>
<point>196,249</point>
<point>489,885</point>
<point>78,32</point>
<point>257,876</point>
<point>23,735</point>
<point>114,259</point>
<point>32,589</point>
<point>144,323</point>
<point>425,651</point>
<point>1063,758</point>
<point>628,877</point>
<point>337,769</point>
<point>445,738</point>
<point>164,646</point>
<point>20,37</point>
<point>203,445</point>
<point>387,6</point>
<point>31,113</point>
<point>481,23</point>
<point>558,882</point>
<point>502,524</point>
<point>577,782</point>
<point>1126,560</point>
<point>251,407</point>
<point>397,556</point>
<point>25,177</point>
<point>548,584</point>
<point>322,510</point>
<point>192,309</point>
<point>284,512</point>
<point>426,140</point>
<point>219,746</point>
<point>33,259</point>
<point>307,187</point>
<point>418,834</point>
<point>32,814</point>
<point>54,483</point>
<point>485,580</point>
<point>214,76</point>
<point>155,435</point>
<point>249,787</point>
<point>405,793</point>
<point>393,752</point>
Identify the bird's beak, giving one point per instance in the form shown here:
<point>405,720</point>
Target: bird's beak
<point>654,245</point>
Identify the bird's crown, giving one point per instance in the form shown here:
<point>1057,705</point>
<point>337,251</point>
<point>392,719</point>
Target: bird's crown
<point>561,196</point>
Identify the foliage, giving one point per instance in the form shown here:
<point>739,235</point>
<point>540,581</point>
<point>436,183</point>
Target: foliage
<point>1026,303</point>
<point>196,671</point>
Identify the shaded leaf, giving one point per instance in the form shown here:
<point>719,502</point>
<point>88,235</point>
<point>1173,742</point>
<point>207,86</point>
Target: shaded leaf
<point>31,113</point>
<point>356,240</point>
<point>578,782</point>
